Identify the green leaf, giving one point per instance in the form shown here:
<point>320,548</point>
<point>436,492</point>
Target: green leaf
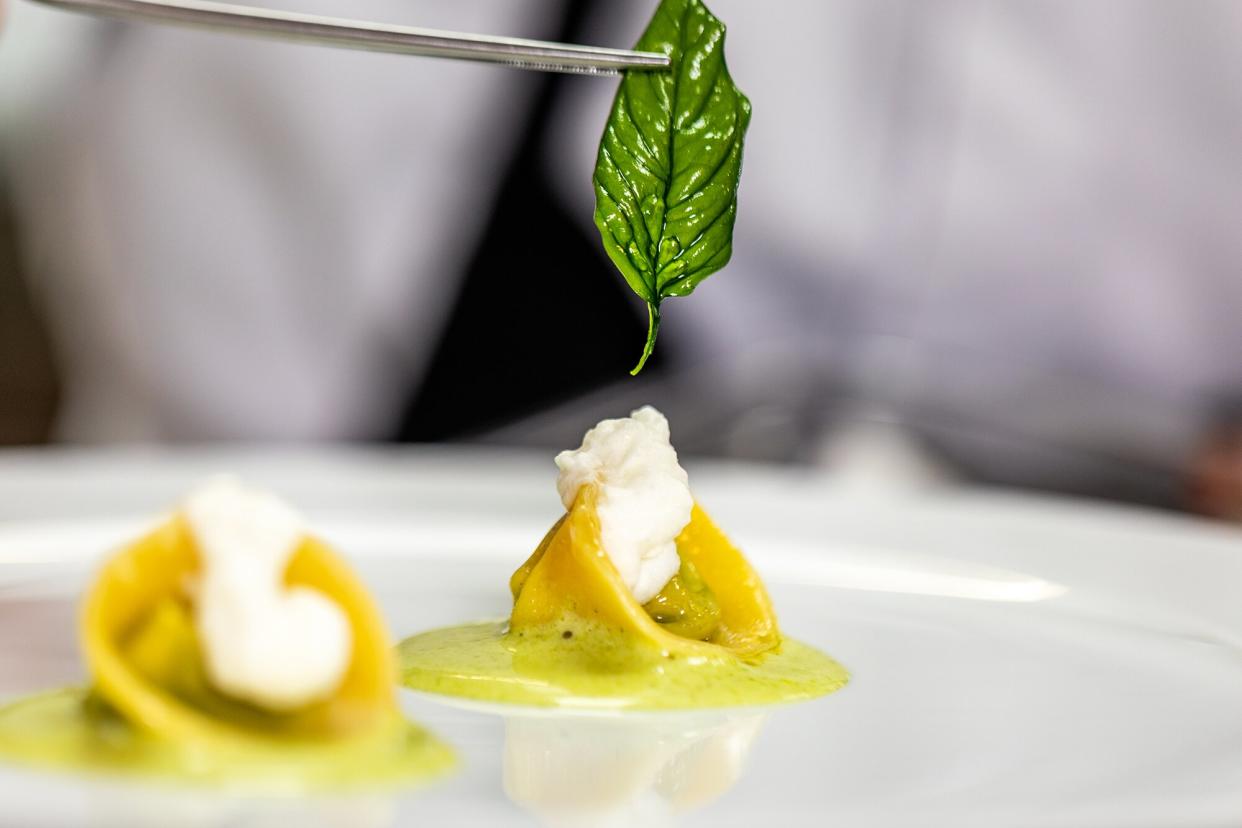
<point>669,162</point>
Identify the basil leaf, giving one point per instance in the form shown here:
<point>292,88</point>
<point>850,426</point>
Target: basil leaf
<point>667,173</point>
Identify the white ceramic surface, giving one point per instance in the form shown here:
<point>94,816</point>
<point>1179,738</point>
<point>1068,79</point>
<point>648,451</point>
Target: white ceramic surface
<point>1016,661</point>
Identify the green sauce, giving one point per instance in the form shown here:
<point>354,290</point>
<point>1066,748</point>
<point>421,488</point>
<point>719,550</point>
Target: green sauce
<point>587,666</point>
<point>71,729</point>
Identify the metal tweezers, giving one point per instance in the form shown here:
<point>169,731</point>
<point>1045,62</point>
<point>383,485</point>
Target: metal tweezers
<point>354,34</point>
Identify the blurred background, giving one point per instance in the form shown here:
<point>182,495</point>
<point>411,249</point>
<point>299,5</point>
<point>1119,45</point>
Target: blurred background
<point>983,242</point>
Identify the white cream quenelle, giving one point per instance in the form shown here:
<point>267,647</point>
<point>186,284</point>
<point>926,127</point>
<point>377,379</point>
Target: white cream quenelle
<point>275,646</point>
<point>644,496</point>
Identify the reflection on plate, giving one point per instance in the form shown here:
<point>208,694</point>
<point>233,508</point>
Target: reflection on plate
<point>579,771</point>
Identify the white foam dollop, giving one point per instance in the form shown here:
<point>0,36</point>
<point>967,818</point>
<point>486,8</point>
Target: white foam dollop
<point>272,645</point>
<point>644,496</point>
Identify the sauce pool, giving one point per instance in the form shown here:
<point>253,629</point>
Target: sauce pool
<point>588,666</point>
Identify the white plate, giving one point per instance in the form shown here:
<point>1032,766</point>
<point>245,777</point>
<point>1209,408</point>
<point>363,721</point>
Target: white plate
<point>1015,661</point>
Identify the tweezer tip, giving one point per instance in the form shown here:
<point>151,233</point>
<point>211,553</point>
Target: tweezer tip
<point>561,68</point>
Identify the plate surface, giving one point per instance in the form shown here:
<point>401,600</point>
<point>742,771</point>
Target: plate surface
<point>1015,661</point>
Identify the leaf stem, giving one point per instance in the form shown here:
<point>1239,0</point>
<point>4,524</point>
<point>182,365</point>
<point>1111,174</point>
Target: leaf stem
<point>653,328</point>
